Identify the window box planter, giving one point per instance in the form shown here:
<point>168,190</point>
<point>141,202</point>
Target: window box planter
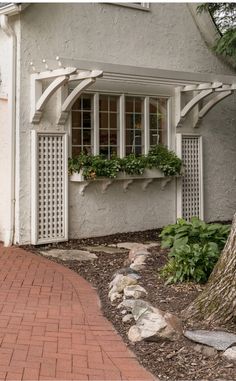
<point>145,179</point>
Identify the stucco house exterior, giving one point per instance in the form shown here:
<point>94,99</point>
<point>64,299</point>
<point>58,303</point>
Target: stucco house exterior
<point>111,78</point>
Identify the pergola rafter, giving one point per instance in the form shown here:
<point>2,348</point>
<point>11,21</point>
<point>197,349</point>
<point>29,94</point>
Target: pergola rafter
<point>59,77</point>
<point>199,93</point>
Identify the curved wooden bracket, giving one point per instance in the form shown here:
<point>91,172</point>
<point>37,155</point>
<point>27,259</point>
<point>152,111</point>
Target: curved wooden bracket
<point>217,98</point>
<point>66,107</point>
<point>194,101</point>
<point>46,95</point>
<point>190,105</point>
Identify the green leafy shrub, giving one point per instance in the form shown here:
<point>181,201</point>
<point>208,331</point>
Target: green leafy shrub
<point>98,166</point>
<point>194,249</point>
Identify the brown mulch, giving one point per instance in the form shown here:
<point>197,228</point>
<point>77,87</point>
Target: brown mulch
<point>167,360</point>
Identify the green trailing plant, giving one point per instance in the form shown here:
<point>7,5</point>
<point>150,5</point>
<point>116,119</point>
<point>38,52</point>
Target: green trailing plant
<point>194,246</point>
<point>224,17</point>
<point>99,166</point>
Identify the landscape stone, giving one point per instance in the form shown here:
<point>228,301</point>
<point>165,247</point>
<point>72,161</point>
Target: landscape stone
<point>114,295</point>
<point>129,245</point>
<point>205,350</point>
<point>66,255</point>
<point>140,260</point>
<point>127,318</point>
<point>230,353</point>
<point>134,334</point>
<point>135,292</point>
<point>137,250</point>
<point>127,271</point>
<point>137,267</point>
<point>104,249</point>
<point>121,281</point>
<point>219,340</point>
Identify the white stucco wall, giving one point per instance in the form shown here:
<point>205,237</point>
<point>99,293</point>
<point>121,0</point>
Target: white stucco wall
<point>164,38</point>
<point>5,140</point>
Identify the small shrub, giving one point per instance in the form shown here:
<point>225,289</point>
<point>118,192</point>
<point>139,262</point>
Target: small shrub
<point>194,249</point>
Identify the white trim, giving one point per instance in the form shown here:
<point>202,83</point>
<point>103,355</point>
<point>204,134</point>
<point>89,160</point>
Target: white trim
<point>140,7</point>
<point>122,125</point>
<point>95,143</point>
<point>146,125</point>
<point>34,186</point>
<point>179,205</point>
<point>201,190</point>
<point>149,75</point>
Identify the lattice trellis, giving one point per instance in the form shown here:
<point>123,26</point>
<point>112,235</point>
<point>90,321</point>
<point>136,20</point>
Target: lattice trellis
<point>190,190</point>
<point>49,187</point>
<point>191,183</point>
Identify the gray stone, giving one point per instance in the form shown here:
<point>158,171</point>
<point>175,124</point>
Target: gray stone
<point>128,271</point>
<point>114,295</point>
<point>121,281</point>
<point>137,267</point>
<point>104,249</point>
<point>66,255</point>
<point>127,318</point>
<point>135,291</point>
<point>205,350</point>
<point>230,353</point>
<point>128,304</point>
<point>219,340</point>
<point>129,245</point>
<point>134,334</point>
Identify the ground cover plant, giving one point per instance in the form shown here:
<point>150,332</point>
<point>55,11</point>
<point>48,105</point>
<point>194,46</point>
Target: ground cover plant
<point>195,247</point>
<point>99,166</point>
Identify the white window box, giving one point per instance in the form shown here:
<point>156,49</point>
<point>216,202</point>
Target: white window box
<point>146,178</point>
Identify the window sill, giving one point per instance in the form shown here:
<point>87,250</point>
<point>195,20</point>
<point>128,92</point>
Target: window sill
<point>145,179</point>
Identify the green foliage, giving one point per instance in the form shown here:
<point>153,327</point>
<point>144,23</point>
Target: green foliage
<point>224,16</point>
<point>98,166</point>
<point>194,249</point>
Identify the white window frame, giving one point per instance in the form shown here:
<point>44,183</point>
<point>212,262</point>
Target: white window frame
<point>121,130</point>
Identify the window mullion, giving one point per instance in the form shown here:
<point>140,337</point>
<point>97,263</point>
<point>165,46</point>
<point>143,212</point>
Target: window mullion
<point>122,125</point>
<point>96,123</point>
<point>146,126</point>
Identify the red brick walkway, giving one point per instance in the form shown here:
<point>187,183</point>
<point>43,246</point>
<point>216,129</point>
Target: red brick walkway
<point>51,326</point>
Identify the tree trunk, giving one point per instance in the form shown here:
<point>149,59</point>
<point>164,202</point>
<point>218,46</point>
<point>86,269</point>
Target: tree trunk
<point>217,302</point>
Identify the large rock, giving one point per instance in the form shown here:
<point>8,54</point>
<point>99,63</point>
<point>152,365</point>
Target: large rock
<point>127,271</point>
<point>137,251</point>
<point>135,292</point>
<point>219,340</point>
<point>121,281</point>
<point>230,353</point>
<point>152,323</point>
<point>138,262</point>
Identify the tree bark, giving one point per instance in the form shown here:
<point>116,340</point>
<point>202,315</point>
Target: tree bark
<point>217,302</point>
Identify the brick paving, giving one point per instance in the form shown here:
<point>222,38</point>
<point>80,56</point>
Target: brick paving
<point>52,328</point>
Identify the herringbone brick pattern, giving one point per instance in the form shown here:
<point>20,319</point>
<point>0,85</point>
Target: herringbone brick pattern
<point>51,326</point>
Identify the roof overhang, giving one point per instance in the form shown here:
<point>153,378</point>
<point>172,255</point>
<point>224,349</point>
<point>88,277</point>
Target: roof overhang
<point>12,9</point>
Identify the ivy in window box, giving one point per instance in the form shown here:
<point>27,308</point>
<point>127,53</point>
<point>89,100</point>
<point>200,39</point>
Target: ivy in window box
<point>93,167</point>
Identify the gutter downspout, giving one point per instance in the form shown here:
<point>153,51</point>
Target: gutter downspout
<point>4,24</point>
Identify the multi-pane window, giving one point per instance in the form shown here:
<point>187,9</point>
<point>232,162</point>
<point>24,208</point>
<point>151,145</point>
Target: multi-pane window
<point>82,125</point>
<point>157,121</point>
<point>133,125</point>
<point>118,125</point>
<point>108,125</point>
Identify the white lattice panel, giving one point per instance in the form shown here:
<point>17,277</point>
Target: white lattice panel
<point>192,180</point>
<point>49,187</point>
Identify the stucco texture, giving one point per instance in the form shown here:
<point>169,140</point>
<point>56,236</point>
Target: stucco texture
<point>164,38</point>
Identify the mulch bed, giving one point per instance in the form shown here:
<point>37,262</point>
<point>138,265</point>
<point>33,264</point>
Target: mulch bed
<point>167,360</point>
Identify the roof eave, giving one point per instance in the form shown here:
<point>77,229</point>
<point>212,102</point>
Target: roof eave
<point>12,9</point>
